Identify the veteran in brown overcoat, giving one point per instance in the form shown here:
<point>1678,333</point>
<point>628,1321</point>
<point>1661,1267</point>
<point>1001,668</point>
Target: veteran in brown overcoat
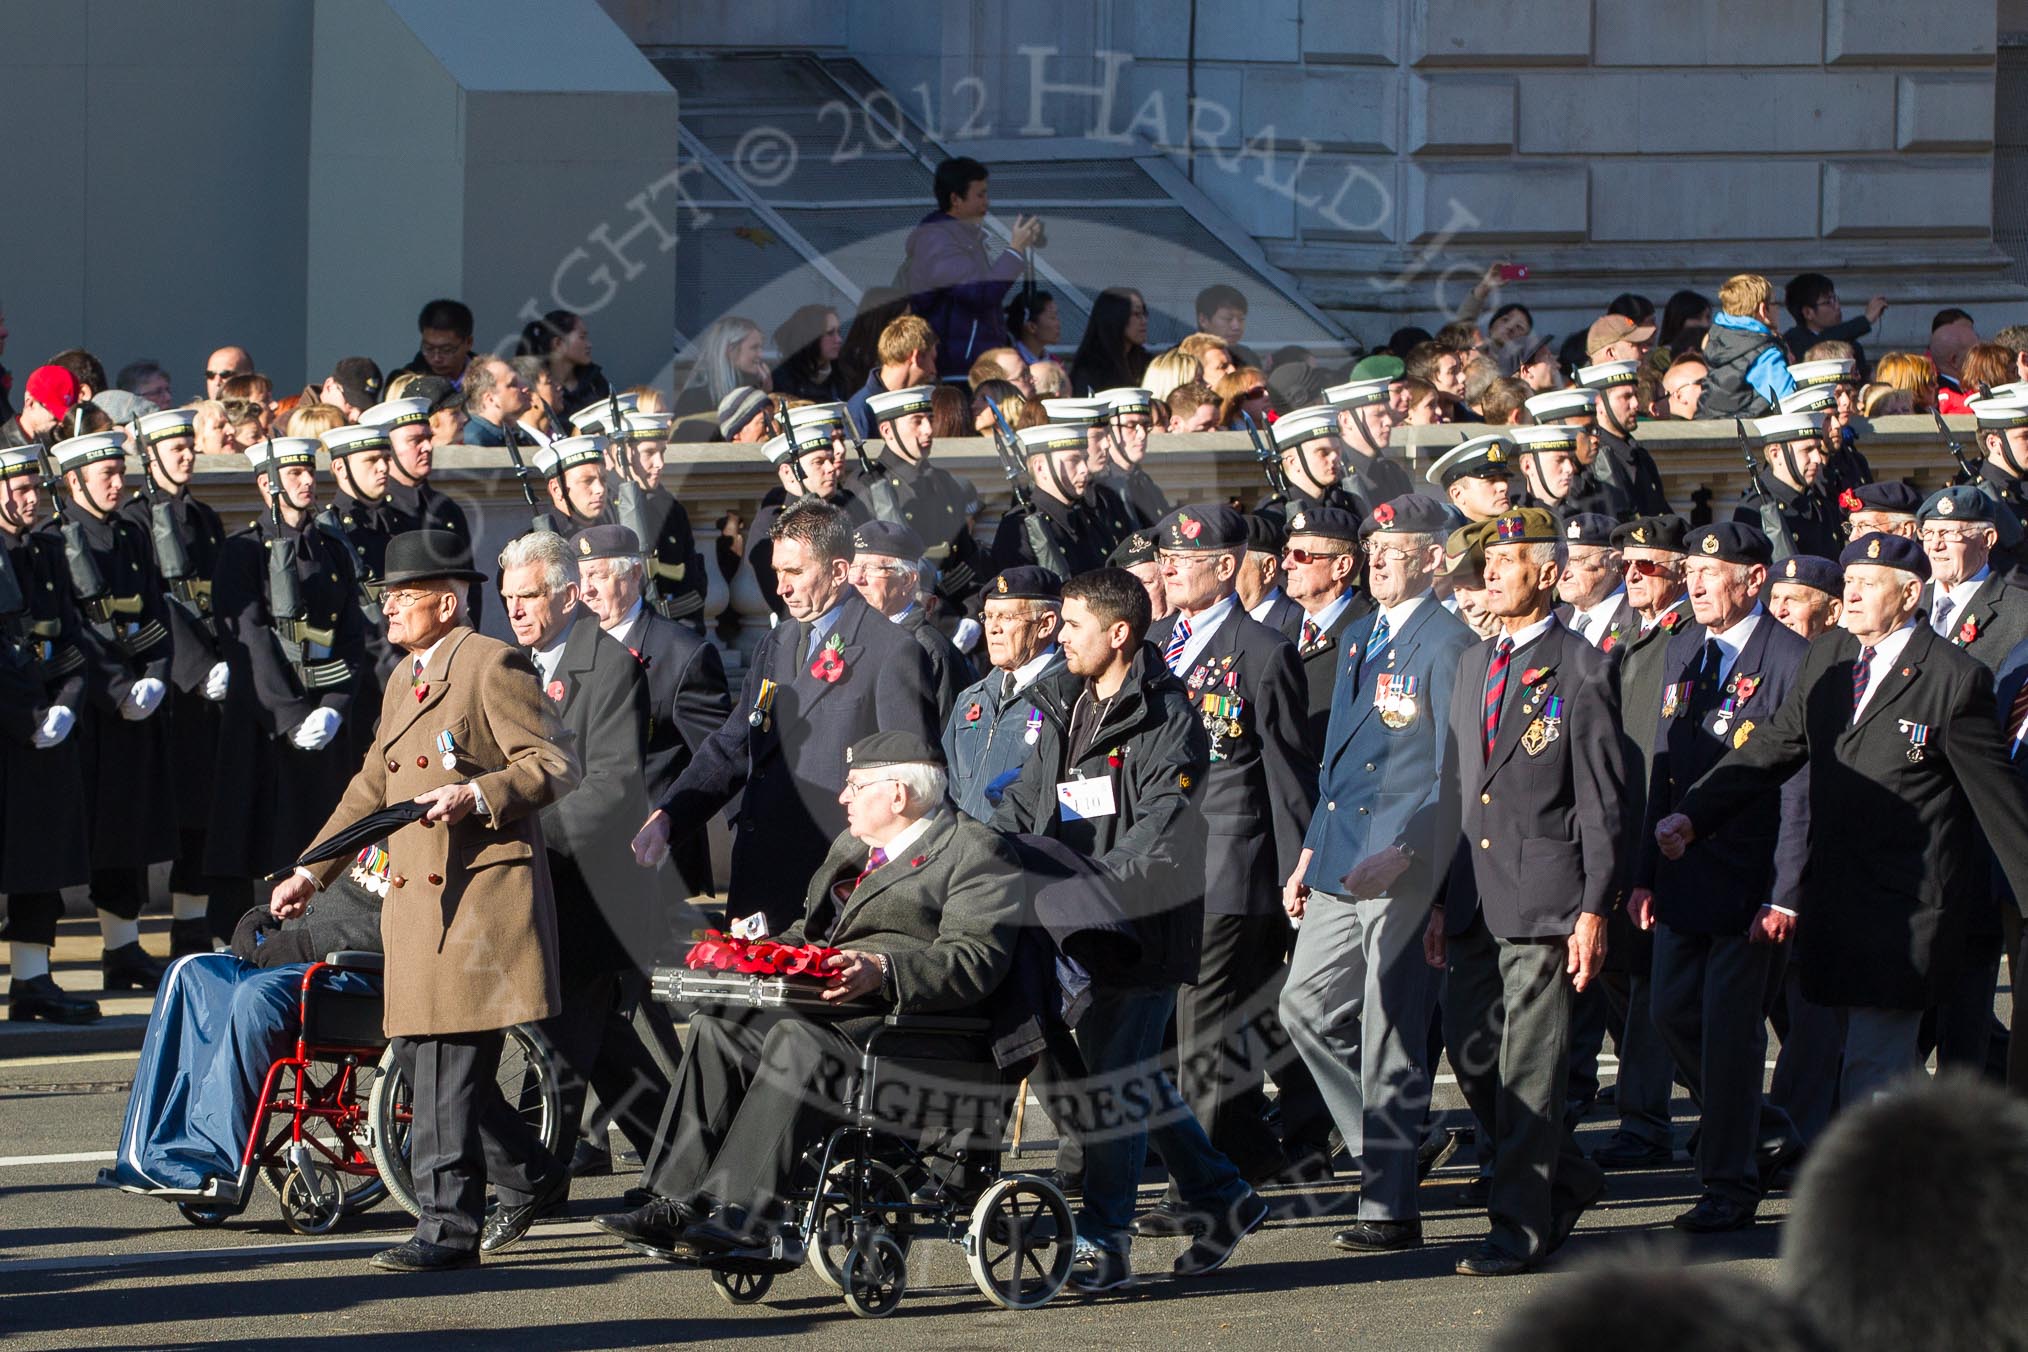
<point>469,924</point>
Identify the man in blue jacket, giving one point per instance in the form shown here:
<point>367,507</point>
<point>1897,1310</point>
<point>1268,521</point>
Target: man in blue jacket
<point>1359,994</point>
<point>994,727</point>
<point>951,280</point>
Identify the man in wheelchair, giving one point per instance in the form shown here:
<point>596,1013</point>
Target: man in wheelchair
<point>925,904</point>
<point>220,1021</point>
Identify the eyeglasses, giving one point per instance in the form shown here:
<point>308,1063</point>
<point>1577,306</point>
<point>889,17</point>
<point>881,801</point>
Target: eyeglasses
<point>402,600</point>
<point>1947,535</point>
<point>855,785</point>
<point>1257,392</point>
<point>1652,567</point>
<point>1378,549</point>
<point>1294,555</point>
<point>443,349</point>
<point>1170,559</point>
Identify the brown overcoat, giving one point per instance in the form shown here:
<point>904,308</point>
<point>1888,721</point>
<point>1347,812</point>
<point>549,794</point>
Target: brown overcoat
<point>470,922</point>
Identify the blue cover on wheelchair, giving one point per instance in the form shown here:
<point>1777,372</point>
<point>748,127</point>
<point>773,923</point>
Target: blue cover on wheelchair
<point>218,1025</point>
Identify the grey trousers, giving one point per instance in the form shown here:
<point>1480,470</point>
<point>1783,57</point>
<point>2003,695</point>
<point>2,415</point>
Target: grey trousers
<point>1707,999</point>
<point>1357,1006</point>
<point>1807,1067</point>
<point>1881,1046</point>
<point>1507,1029</point>
<point>1646,1072</point>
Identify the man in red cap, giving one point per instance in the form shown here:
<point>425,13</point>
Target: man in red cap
<point>47,400</point>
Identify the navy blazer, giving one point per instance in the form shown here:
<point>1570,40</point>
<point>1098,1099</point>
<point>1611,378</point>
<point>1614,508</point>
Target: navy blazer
<point>1262,785</point>
<point>1321,661</point>
<point>1918,786</point>
<point>790,760</point>
<point>1543,815</point>
<point>1380,784</point>
<point>1758,859</point>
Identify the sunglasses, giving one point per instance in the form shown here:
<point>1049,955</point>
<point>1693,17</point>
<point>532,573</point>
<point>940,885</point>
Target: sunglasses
<point>1294,555</point>
<point>222,375</point>
<point>1649,567</point>
<point>1257,392</point>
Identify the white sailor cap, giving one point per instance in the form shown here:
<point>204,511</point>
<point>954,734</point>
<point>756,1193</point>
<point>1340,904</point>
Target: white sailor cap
<point>639,426</point>
<point>602,416</point>
<point>1077,412</point>
<point>1556,405</point>
<point>1809,399</point>
<point>780,449</point>
<point>280,452</point>
<point>394,413</point>
<point>567,453</point>
<point>1835,371</point>
<point>16,461</point>
<point>166,425</point>
<point>826,416</point>
<point>889,404</point>
<point>89,449</point>
<point>1126,399</point>
<point>1474,457</point>
<point>1300,425</point>
<point>1607,374</point>
<point>1529,440</point>
<point>1999,414</point>
<point>350,440</point>
<point>1785,427</point>
<point>2013,392</point>
<point>812,437</point>
<point>1051,436</point>
<point>1358,393</point>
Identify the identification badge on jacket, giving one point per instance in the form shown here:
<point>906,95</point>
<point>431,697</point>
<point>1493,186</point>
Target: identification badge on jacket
<point>1085,799</point>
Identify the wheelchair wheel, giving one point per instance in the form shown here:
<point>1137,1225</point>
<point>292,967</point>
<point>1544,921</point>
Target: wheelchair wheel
<point>875,1276</point>
<point>362,1191</point>
<point>312,1199</point>
<point>527,1078</point>
<point>204,1217</point>
<point>741,1288</point>
<point>1020,1242</point>
<point>831,1221</point>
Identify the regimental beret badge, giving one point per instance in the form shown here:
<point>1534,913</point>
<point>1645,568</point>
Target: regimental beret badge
<point>1792,567</point>
<point>584,546</point>
<point>1574,530</point>
<point>1640,535</point>
<point>1944,507</point>
<point>1710,545</point>
<point>1298,521</point>
<point>1873,550</point>
<point>858,539</point>
<point>848,755</point>
<point>1003,584</point>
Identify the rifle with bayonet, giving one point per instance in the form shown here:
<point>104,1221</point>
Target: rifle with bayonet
<point>537,518</point>
<point>1041,544</point>
<point>1270,459</point>
<point>1772,523</point>
<point>883,498</point>
<point>172,560</point>
<point>94,599</point>
<point>285,589</point>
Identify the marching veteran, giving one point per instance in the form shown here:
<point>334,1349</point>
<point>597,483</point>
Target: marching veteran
<point>469,924</point>
<point>921,904</point>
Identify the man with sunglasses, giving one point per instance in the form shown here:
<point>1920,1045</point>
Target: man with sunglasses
<point>1320,569</point>
<point>1312,465</point>
<point>223,365</point>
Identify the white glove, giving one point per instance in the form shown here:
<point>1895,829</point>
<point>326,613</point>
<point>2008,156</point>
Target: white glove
<point>968,635</point>
<point>56,725</point>
<point>142,699</point>
<point>315,732</point>
<point>217,681</point>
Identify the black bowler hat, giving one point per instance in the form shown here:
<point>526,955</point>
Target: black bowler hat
<point>1730,542</point>
<point>1889,551</point>
<point>606,542</point>
<point>429,556</point>
<point>1808,570</point>
<point>1026,582</point>
<point>880,749</point>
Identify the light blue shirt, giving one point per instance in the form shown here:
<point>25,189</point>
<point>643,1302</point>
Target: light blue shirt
<point>820,629</point>
<point>1202,627</point>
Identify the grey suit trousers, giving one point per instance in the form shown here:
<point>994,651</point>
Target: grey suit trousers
<point>1357,1006</point>
<point>1507,1030</point>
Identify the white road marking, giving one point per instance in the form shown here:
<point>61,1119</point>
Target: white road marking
<point>270,1252</point>
<point>82,1157</point>
<point>11,1062</point>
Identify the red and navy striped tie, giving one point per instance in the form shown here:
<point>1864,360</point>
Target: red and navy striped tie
<point>1179,639</point>
<point>1862,673</point>
<point>1496,690</point>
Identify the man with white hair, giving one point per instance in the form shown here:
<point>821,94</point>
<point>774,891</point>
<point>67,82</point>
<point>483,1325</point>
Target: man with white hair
<point>992,729</point>
<point>887,569</point>
<point>916,908</point>
<point>1900,732</point>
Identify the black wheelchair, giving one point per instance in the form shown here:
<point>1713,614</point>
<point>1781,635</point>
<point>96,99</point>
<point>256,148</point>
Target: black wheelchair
<point>329,1134</point>
<point>875,1185</point>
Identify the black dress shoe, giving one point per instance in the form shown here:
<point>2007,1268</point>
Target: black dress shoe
<point>1070,1185</point>
<point>1379,1236</point>
<point>187,937</point>
<point>1714,1216</point>
<point>588,1161</point>
<point>725,1231</point>
<point>416,1256</point>
<point>1209,1251</point>
<point>1169,1218</point>
<point>1777,1164</point>
<point>652,1229</point>
<point>39,997</point>
<point>1627,1152</point>
<point>1490,1260</point>
<point>131,966</point>
<point>1436,1148</point>
<point>509,1223</point>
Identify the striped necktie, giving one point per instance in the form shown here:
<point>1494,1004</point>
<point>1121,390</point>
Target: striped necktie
<point>1496,690</point>
<point>1862,673</point>
<point>1377,642</point>
<point>1179,639</point>
<point>1310,632</point>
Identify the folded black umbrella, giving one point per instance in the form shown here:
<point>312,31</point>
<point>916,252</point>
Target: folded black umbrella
<point>350,840</point>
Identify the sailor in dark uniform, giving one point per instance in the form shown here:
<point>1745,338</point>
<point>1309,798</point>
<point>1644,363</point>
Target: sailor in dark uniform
<point>932,501</point>
<point>1577,409</point>
<point>574,469</point>
<point>130,774</point>
<point>361,517</point>
<point>2003,476</point>
<point>809,469</point>
<point>1101,498</point>
<point>294,725</point>
<point>1130,416</point>
<point>45,667</point>
<point>1791,446</point>
<point>1476,477</point>
<point>1312,464</point>
<point>637,449</point>
<point>1551,477</point>
<point>1366,419</point>
<point>417,505</point>
<point>1623,465</point>
<point>198,676</point>
<point>1055,455</point>
<point>1845,466</point>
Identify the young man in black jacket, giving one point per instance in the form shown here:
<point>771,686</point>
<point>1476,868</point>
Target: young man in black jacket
<point>1117,772</point>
